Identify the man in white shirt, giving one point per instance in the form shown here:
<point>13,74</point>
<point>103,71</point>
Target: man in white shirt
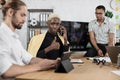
<point>14,60</point>
<point>101,32</point>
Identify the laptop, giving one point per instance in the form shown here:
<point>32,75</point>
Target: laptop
<point>113,52</point>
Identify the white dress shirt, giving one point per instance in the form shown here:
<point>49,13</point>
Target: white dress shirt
<point>11,50</point>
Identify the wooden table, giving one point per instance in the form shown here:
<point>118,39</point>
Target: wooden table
<point>85,71</point>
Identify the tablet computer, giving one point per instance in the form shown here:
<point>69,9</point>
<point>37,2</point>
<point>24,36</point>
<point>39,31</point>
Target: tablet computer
<point>64,65</point>
<point>66,55</point>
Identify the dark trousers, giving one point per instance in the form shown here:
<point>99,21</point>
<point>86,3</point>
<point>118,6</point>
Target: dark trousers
<point>92,52</point>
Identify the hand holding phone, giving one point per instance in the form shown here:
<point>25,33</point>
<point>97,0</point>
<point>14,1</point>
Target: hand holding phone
<point>63,32</point>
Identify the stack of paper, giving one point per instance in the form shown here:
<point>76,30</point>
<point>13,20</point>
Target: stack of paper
<point>117,72</point>
<point>76,61</point>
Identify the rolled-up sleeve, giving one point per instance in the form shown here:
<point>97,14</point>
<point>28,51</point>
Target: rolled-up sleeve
<point>112,28</point>
<point>26,57</point>
<point>4,64</point>
<point>90,28</point>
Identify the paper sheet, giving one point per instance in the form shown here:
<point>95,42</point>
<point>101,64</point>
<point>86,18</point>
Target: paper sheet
<point>76,61</point>
<point>117,72</point>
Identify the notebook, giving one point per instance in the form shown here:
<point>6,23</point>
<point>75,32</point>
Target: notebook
<point>113,52</point>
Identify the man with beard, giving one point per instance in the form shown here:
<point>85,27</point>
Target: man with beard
<point>51,44</point>
<point>14,60</point>
<point>101,32</point>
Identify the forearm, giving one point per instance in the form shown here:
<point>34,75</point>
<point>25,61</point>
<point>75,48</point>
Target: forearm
<point>49,48</point>
<point>94,43</point>
<point>15,70</point>
<point>35,60</point>
<point>111,42</point>
<point>111,39</point>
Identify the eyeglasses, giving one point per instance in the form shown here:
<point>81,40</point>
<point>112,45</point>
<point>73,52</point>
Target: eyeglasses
<point>53,23</point>
<point>98,13</point>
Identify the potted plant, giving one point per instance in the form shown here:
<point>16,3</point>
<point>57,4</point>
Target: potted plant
<point>109,14</point>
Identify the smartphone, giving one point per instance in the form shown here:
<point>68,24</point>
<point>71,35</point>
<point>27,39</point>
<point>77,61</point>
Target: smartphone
<point>60,31</point>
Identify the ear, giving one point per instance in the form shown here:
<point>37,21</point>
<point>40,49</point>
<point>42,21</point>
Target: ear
<point>10,12</point>
<point>48,22</point>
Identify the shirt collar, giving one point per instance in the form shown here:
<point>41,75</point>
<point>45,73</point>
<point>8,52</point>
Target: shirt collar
<point>51,34</point>
<point>9,31</point>
<point>105,21</point>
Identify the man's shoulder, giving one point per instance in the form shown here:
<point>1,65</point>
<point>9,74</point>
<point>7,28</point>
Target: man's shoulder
<point>93,21</point>
<point>109,20</point>
<point>3,34</point>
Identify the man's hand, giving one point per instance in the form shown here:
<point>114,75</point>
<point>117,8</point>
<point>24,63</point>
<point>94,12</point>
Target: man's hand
<point>100,53</point>
<point>54,46</point>
<point>46,64</point>
<point>64,31</point>
<point>35,65</point>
